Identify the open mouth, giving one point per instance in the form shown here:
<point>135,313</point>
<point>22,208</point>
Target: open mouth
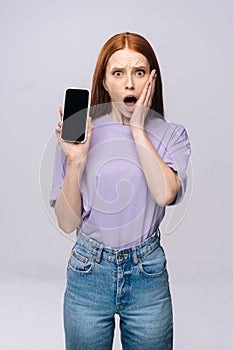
<point>130,101</point>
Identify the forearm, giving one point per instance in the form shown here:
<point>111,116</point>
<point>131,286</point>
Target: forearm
<point>68,207</point>
<point>162,181</point>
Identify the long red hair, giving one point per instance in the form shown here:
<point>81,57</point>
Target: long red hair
<point>100,99</point>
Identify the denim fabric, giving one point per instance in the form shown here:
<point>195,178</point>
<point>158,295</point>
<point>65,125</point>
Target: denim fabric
<point>132,283</point>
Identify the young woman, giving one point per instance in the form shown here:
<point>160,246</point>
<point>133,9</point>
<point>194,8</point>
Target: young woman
<point>113,189</point>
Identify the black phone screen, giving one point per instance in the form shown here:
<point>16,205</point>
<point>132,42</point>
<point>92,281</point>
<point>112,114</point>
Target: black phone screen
<point>75,115</point>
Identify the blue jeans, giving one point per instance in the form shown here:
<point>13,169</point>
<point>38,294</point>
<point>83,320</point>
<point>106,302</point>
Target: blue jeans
<point>132,283</point>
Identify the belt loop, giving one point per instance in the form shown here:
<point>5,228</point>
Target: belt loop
<point>136,259</point>
<point>98,254</point>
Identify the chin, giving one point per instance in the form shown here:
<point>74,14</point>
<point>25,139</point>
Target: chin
<point>129,111</point>
<point>124,110</point>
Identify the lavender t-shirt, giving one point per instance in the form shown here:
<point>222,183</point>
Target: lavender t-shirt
<point>118,208</point>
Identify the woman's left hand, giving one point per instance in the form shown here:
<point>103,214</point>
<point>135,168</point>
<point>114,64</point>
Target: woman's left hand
<point>144,102</point>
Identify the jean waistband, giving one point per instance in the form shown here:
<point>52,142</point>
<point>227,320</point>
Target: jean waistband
<point>118,255</point>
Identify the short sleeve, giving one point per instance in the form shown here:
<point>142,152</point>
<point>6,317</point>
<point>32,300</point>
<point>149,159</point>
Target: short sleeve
<point>59,170</point>
<point>177,155</point>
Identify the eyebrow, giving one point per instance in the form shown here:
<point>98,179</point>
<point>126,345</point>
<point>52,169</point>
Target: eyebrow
<point>137,67</point>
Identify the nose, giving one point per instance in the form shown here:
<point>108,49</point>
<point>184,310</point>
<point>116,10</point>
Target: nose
<point>129,85</point>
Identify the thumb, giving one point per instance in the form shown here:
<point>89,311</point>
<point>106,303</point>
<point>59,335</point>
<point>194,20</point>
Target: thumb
<point>89,128</point>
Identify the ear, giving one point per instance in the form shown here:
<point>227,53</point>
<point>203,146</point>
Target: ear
<point>104,85</point>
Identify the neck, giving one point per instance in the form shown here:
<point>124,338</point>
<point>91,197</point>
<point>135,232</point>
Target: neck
<point>119,117</point>
<point>125,121</point>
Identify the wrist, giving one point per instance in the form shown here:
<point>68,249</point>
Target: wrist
<point>138,132</point>
<point>75,164</point>
<point>74,171</point>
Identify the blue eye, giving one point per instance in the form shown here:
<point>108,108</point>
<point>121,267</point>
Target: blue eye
<point>117,73</point>
<point>140,72</point>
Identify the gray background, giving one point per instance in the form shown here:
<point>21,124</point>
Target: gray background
<point>49,45</point>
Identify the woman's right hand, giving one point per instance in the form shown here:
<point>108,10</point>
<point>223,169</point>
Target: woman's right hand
<point>76,152</point>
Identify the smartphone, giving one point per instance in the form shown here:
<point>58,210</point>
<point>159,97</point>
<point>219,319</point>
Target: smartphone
<point>76,111</point>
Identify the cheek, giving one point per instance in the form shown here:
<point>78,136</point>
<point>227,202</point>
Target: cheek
<point>113,89</point>
<point>140,86</point>
<point>113,95</point>
<point>112,84</point>
<point>142,83</point>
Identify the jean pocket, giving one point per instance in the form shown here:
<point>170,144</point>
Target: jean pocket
<point>80,260</point>
<point>154,264</point>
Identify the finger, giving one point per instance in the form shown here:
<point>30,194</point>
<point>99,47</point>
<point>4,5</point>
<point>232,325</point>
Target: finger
<point>58,133</point>
<point>89,121</point>
<point>89,127</point>
<point>153,86</point>
<point>58,129</point>
<point>61,112</point>
<point>152,75</point>
<point>146,95</point>
<point>151,91</point>
<point>143,95</point>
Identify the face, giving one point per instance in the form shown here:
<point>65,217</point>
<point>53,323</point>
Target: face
<point>127,72</point>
